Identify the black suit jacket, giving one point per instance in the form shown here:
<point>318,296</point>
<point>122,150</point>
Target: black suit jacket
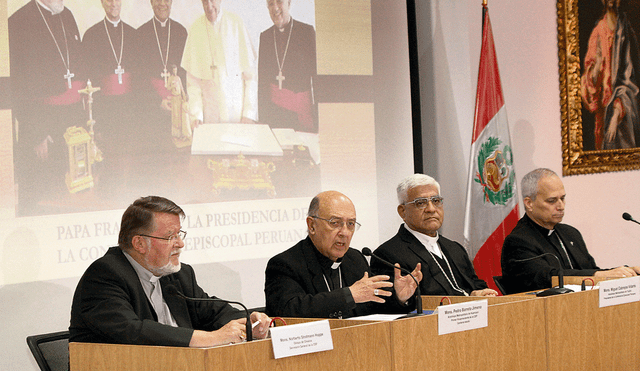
<point>110,306</point>
<point>528,240</point>
<point>405,249</point>
<point>295,285</point>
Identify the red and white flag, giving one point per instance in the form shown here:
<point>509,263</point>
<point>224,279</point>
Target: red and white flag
<point>491,209</point>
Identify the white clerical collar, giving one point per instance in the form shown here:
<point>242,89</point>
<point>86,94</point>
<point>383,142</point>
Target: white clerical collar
<point>430,243</point>
<point>162,24</point>
<point>47,8</point>
<point>115,24</point>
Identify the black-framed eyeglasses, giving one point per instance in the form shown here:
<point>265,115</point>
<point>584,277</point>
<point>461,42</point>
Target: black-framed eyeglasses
<point>172,239</point>
<point>422,202</point>
<point>336,223</point>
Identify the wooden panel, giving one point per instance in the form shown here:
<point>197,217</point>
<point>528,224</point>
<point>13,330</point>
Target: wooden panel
<point>577,280</point>
<point>514,340</point>
<point>431,302</point>
<point>343,37</point>
<point>97,357</point>
<point>353,349</point>
<point>582,336</point>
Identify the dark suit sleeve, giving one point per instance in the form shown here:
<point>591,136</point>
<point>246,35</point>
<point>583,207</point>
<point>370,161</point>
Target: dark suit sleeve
<point>204,315</point>
<point>289,292</point>
<point>534,274</point>
<point>107,308</point>
<point>461,259</point>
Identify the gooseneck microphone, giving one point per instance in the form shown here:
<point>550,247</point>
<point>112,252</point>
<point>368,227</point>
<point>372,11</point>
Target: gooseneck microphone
<point>554,290</point>
<point>172,290</point>
<point>367,252</point>
<point>627,216</point>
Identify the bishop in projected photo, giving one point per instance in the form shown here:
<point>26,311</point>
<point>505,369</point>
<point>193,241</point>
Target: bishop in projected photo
<point>110,54</point>
<point>161,41</point>
<point>287,70</point>
<point>45,57</point>
<point>221,68</point>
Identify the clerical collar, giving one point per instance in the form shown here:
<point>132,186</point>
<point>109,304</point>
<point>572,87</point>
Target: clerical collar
<point>430,243</point>
<point>544,231</point>
<point>325,262</point>
<point>115,24</point>
<point>162,24</point>
<point>286,26</point>
<point>47,8</point>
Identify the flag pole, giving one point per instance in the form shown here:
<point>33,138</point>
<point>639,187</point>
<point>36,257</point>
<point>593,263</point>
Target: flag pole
<point>484,11</point>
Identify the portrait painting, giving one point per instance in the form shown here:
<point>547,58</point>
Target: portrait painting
<point>599,65</point>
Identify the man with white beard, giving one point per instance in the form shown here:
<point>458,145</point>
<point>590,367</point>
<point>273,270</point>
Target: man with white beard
<point>123,297</point>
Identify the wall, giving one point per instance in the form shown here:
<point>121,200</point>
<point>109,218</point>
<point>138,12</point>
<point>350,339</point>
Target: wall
<point>526,44</point>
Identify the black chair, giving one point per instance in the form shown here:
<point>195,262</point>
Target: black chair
<point>51,350</point>
<point>498,282</point>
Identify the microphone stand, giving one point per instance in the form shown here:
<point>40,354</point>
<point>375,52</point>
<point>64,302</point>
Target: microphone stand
<point>367,252</point>
<point>554,290</point>
<point>172,290</point>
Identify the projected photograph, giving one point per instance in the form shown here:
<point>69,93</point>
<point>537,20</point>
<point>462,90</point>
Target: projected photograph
<point>199,101</point>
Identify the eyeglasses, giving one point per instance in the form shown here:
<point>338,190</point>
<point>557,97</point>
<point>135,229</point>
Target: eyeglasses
<point>336,223</point>
<point>422,202</point>
<point>172,239</point>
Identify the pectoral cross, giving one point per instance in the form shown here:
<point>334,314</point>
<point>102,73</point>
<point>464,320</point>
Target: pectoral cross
<point>68,77</point>
<point>165,75</point>
<point>119,71</point>
<point>280,77</point>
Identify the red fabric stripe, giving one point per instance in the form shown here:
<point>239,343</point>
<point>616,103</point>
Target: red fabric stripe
<point>489,97</point>
<point>487,260</point>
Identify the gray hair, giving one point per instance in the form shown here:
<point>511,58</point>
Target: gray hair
<point>413,181</point>
<point>529,184</point>
<point>139,217</point>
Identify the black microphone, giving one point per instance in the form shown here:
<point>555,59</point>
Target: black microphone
<point>554,290</point>
<point>172,290</point>
<point>627,216</point>
<point>367,252</point>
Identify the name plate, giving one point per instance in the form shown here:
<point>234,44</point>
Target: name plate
<point>302,338</point>
<point>621,291</point>
<point>463,316</point>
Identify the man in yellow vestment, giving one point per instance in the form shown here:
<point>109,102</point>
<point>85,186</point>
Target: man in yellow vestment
<point>220,62</point>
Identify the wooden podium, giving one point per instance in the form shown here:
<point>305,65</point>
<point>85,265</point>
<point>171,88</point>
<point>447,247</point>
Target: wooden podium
<point>356,347</point>
<point>554,333</point>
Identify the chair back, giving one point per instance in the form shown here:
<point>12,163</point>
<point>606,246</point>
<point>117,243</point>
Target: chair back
<point>51,350</point>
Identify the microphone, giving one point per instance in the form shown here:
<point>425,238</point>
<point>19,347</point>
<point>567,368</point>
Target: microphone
<point>367,252</point>
<point>554,290</point>
<point>172,290</point>
<point>627,216</point>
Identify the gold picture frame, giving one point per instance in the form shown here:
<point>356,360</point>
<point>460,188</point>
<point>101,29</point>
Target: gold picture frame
<point>580,154</point>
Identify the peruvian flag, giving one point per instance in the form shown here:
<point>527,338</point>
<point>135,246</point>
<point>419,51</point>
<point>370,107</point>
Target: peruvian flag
<point>491,209</point>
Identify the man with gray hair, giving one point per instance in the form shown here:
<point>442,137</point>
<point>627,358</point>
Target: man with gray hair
<point>445,264</point>
<point>128,296</point>
<point>544,242</point>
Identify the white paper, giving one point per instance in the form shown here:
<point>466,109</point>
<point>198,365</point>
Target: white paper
<point>620,291</point>
<point>463,316</point>
<point>304,338</point>
<point>233,139</point>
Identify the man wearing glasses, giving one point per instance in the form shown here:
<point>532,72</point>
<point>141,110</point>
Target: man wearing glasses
<point>123,297</point>
<point>445,264</point>
<point>321,276</point>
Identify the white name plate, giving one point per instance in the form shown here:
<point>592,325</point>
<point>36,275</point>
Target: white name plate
<point>303,338</point>
<point>463,316</point>
<point>621,291</point>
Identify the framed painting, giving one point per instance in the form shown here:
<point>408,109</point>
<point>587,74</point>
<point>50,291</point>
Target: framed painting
<point>599,69</point>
